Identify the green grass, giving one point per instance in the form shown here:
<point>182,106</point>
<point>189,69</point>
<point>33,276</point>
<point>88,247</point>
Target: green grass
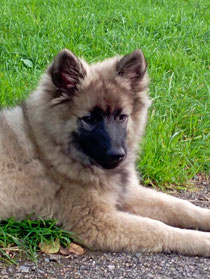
<point>174,36</point>
<point>28,234</point>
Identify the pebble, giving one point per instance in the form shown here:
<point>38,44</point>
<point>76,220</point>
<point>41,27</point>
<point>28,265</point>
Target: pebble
<point>24,268</point>
<point>111,267</point>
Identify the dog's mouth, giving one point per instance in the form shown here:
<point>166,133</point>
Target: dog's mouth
<point>102,158</point>
<point>109,164</point>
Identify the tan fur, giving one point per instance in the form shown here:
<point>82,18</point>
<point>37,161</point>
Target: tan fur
<point>108,209</point>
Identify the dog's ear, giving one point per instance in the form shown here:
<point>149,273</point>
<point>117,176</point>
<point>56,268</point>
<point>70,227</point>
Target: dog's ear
<point>66,72</point>
<point>132,67</point>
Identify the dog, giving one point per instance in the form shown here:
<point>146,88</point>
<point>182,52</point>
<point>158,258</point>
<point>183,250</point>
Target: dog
<point>68,152</point>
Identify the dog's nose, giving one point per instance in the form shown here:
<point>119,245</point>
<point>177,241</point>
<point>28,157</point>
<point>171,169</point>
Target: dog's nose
<point>116,155</point>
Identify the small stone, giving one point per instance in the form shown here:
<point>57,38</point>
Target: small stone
<point>111,267</point>
<point>24,268</point>
<point>47,260</point>
<point>40,271</point>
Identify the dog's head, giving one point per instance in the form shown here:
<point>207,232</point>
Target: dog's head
<point>96,112</point>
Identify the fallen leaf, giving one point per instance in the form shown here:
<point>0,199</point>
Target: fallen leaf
<point>50,247</point>
<point>64,251</point>
<point>76,249</point>
<point>28,63</point>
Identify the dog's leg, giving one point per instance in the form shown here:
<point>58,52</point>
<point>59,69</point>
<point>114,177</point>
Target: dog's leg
<point>168,209</point>
<point>117,231</point>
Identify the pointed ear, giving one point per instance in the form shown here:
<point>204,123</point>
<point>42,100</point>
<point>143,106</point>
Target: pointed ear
<point>132,67</point>
<point>66,72</point>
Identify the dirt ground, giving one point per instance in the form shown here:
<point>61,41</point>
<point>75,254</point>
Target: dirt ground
<point>120,265</point>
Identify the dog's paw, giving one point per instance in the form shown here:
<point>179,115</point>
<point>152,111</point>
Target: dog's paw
<point>199,243</point>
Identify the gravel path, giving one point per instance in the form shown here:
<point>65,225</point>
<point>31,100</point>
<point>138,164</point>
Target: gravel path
<point>98,265</point>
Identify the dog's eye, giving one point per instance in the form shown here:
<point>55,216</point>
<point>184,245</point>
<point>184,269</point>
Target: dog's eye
<point>122,117</point>
<point>90,120</point>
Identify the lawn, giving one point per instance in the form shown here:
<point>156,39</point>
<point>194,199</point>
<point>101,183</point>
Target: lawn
<point>174,38</point>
